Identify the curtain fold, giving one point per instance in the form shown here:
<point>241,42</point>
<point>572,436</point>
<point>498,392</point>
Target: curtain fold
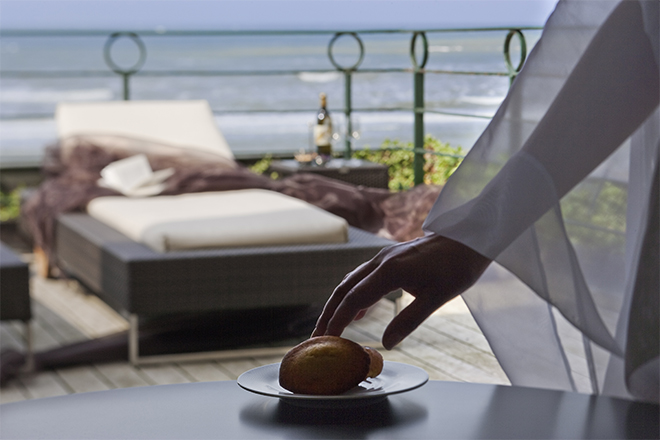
<point>558,191</point>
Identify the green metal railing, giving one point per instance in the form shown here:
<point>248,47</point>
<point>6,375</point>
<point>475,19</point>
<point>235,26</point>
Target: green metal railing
<point>418,69</point>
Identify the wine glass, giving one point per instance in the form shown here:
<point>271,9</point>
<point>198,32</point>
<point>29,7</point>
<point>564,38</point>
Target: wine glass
<point>355,128</point>
<point>337,132</point>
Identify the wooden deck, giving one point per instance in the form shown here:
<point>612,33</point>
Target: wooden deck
<point>449,346</point>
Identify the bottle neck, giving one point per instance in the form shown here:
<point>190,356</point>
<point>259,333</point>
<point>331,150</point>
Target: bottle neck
<point>323,115</point>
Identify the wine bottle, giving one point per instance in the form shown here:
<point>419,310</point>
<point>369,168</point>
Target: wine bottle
<point>323,132</point>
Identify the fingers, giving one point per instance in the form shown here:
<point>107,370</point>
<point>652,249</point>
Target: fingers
<point>340,293</point>
<point>434,269</point>
<point>406,322</point>
<point>364,294</point>
<point>366,285</point>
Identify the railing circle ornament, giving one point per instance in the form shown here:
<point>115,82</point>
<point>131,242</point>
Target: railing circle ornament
<point>507,54</point>
<point>425,45</point>
<point>334,39</point>
<point>108,57</point>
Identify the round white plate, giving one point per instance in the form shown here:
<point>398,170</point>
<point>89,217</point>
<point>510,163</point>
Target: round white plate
<point>395,378</point>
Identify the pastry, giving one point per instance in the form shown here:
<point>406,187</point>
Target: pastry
<point>376,362</point>
<point>324,365</point>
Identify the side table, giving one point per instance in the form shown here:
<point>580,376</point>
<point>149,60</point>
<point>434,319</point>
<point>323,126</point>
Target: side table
<point>354,171</point>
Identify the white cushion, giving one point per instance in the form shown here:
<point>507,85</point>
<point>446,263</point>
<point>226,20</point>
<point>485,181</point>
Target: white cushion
<point>251,217</point>
<point>188,124</point>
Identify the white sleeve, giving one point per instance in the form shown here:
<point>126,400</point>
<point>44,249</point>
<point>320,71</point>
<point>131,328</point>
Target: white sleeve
<point>610,91</point>
<point>556,191</point>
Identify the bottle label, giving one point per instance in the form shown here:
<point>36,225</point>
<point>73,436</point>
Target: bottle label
<point>322,135</point>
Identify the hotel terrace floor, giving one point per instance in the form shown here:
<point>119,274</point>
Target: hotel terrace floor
<point>449,346</point>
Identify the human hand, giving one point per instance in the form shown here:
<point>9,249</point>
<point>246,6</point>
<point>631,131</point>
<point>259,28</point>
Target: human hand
<point>434,269</point>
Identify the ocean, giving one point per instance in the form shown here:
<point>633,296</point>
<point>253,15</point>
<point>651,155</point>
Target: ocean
<point>286,104</point>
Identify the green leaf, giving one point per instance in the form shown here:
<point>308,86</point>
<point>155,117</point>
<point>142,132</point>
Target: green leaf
<point>10,204</point>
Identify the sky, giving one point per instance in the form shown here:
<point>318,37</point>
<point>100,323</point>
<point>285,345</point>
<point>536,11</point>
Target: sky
<point>270,14</point>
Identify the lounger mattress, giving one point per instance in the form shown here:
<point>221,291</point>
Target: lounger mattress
<point>251,217</point>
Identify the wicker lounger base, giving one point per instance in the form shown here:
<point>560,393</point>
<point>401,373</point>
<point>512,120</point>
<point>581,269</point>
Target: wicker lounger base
<point>138,282</point>
<point>15,290</point>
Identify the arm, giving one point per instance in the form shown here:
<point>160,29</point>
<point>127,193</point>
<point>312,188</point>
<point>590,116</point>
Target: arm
<point>611,91</point>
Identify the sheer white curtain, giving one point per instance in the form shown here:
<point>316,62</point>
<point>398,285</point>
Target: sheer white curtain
<point>561,190</point>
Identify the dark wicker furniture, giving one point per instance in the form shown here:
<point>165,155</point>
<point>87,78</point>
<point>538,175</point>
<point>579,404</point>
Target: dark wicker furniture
<point>140,282</point>
<point>15,301</point>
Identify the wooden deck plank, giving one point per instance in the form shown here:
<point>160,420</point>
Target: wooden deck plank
<point>44,384</point>
<point>235,368</point>
<point>63,331</point>
<point>44,337</point>
<point>165,374</point>
<point>13,392</point>
<point>398,355</point>
<point>452,329</point>
<point>457,311</point>
<point>205,371</point>
<point>448,364</point>
<point>84,311</point>
<point>461,351</point>
<point>268,360</point>
<point>122,375</point>
<point>453,319</point>
<point>83,379</point>
<point>10,338</point>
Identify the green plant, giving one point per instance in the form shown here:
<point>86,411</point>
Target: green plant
<point>261,166</point>
<point>440,161</point>
<point>589,212</point>
<point>10,204</point>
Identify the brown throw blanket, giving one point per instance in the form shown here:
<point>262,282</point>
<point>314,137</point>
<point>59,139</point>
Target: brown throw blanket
<point>71,182</point>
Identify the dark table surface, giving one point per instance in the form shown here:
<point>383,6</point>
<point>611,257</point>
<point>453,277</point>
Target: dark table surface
<point>334,164</point>
<point>355,171</point>
<point>224,410</point>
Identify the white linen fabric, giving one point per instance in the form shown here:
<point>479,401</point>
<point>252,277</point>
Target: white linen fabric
<point>250,217</point>
<point>561,190</point>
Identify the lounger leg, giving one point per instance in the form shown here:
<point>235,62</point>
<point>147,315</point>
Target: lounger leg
<point>133,339</point>
<point>29,342</point>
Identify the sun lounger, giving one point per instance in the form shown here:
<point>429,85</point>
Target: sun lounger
<point>140,279</point>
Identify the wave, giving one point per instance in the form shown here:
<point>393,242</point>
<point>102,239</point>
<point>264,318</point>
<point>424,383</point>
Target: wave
<point>27,129</point>
<point>319,77</point>
<point>300,122</point>
<point>22,96</point>
<point>445,49</point>
<point>483,100</point>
